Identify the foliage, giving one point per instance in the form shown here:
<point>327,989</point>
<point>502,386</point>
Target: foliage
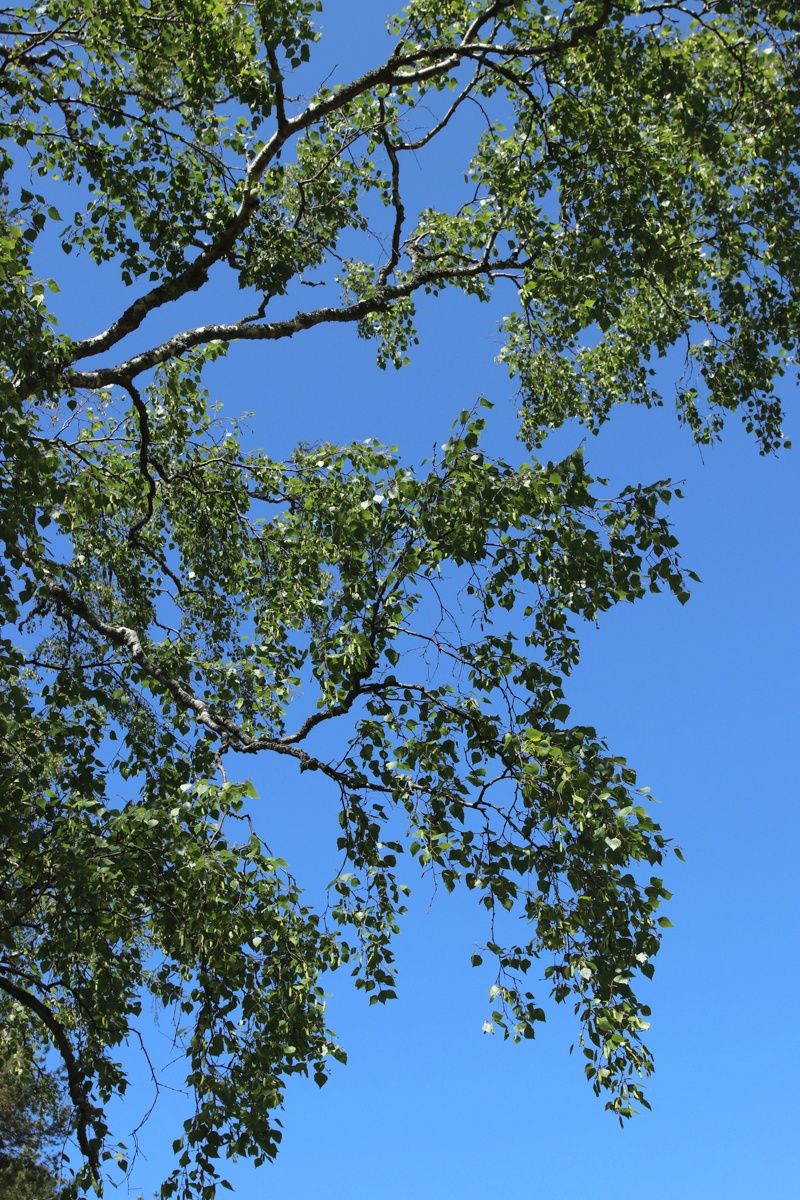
<point>174,599</point>
<point>34,1121</point>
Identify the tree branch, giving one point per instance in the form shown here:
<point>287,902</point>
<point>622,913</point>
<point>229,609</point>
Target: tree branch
<point>244,330</point>
<point>217,723</point>
<point>144,463</point>
<point>397,201</point>
<point>86,1112</point>
<point>401,68</point>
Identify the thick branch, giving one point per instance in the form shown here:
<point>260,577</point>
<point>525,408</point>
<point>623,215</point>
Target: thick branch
<point>403,67</point>
<point>245,330</point>
<point>391,72</point>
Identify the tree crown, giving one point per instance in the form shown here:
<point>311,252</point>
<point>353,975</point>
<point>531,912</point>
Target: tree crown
<point>175,599</point>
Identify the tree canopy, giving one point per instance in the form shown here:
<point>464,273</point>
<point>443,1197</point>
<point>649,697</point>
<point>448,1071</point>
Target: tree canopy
<point>176,601</point>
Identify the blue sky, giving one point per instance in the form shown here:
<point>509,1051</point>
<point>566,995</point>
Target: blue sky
<point>702,700</point>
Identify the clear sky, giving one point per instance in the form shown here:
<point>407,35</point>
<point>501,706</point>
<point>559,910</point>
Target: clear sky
<point>702,700</point>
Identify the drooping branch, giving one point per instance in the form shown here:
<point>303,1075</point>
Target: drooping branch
<point>397,200</point>
<point>144,462</point>
<point>86,1114</point>
<point>224,727</point>
<point>443,122</point>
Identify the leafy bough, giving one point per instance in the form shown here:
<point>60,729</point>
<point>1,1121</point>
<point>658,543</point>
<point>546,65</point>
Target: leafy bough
<point>313,587</point>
